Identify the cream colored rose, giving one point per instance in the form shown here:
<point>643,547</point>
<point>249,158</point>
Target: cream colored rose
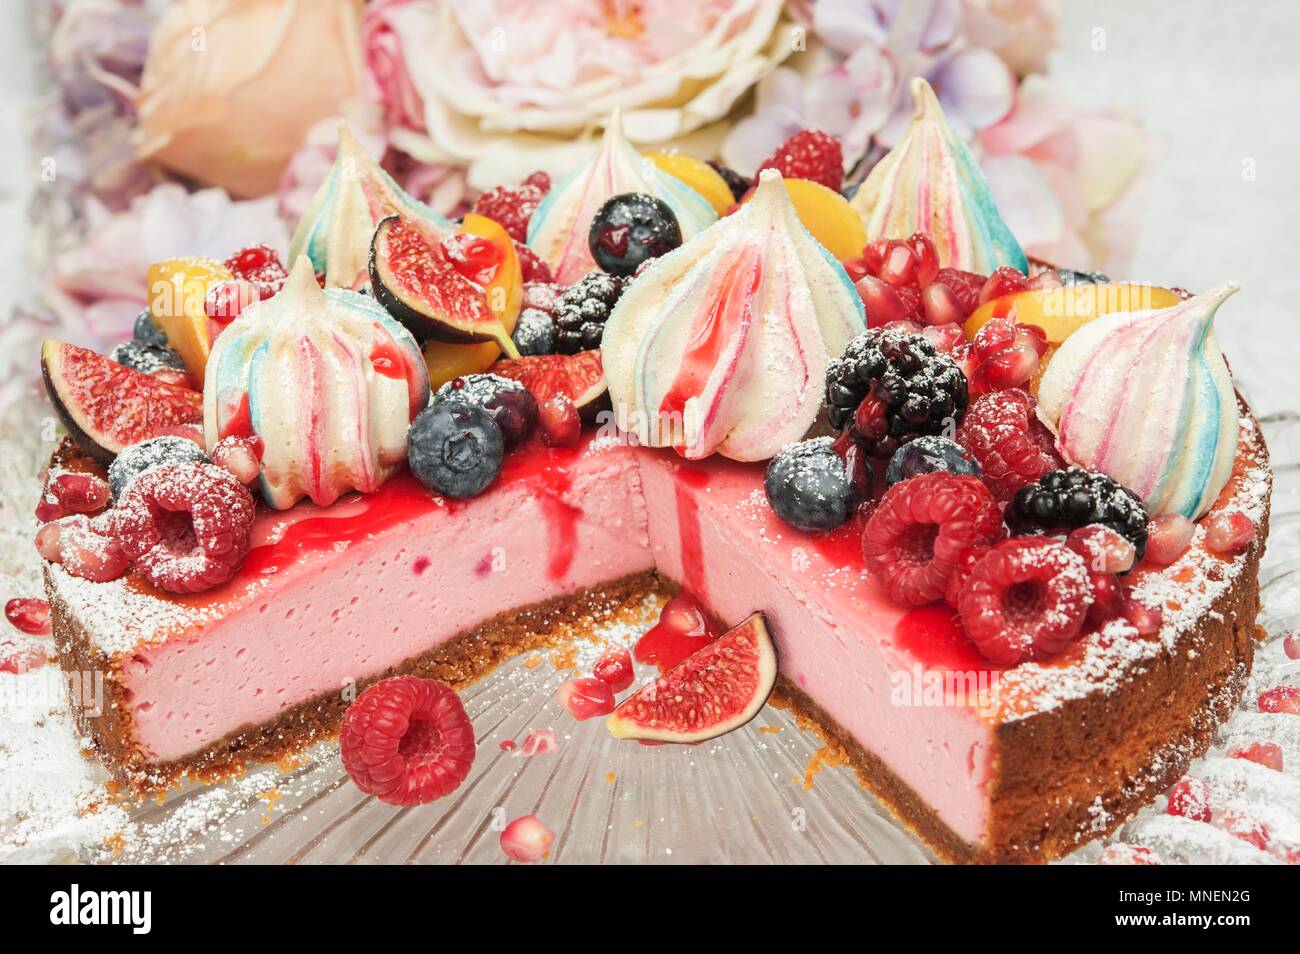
<point>231,87</point>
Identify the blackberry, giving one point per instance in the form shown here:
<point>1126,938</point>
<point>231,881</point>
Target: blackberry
<point>1064,500</point>
<point>890,387</point>
<point>582,310</point>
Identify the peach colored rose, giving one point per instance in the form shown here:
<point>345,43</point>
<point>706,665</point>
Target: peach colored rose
<point>231,87</point>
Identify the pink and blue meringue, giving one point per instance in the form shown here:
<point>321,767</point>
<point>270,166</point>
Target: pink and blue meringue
<point>558,229</point>
<point>336,229</point>
<point>1146,397</point>
<point>326,380</point>
<point>721,346</point>
<point>931,183</point>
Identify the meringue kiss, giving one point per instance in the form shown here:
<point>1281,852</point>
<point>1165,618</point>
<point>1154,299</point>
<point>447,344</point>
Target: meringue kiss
<point>325,380</point>
<point>336,229</point>
<point>559,227</point>
<point>722,344</point>
<point>1146,398</point>
<point>931,183</point>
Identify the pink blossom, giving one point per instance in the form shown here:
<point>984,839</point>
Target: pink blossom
<point>386,78</point>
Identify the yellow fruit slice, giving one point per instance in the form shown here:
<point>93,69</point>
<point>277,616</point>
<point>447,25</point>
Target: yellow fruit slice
<point>1062,311</point>
<point>449,361</point>
<point>697,174</point>
<point>505,293</point>
<point>828,216</point>
<point>177,288</point>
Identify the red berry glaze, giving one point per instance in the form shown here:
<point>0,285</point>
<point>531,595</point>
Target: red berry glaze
<point>527,839</point>
<point>185,526</point>
<point>809,154</point>
<point>1190,798</point>
<point>407,741</point>
<point>1025,600</point>
<point>1006,438</point>
<point>614,669</point>
<point>1280,699</point>
<point>922,529</point>
<point>511,207</point>
<point>1267,754</point>
<point>586,697</point>
<point>682,629</point>
<point>31,616</point>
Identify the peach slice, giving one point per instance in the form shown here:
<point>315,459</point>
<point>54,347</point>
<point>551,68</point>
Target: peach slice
<point>177,288</point>
<point>827,216</point>
<point>1064,310</point>
<point>447,362</point>
<point>697,174</point>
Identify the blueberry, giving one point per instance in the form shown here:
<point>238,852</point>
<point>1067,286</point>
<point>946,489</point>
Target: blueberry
<point>137,458</point>
<point>535,332</point>
<point>808,485</point>
<point>511,405</point>
<point>147,330</point>
<point>1070,276</point>
<point>630,229</point>
<point>737,183</point>
<point>148,358</point>
<point>925,455</point>
<point>455,448</point>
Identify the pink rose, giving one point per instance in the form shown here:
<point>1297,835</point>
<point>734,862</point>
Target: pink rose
<point>387,81</point>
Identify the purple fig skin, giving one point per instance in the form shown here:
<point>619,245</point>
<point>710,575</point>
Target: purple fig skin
<point>80,436</point>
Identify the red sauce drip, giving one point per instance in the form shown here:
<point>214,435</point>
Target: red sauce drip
<point>841,547</point>
<point>934,637</point>
<point>688,529</point>
<point>683,629</point>
<point>236,420</point>
<point>386,358</point>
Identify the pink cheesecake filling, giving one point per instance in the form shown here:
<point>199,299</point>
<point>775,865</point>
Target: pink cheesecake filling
<point>838,636</point>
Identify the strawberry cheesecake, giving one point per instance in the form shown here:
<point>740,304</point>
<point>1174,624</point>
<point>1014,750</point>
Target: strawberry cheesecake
<point>990,528</point>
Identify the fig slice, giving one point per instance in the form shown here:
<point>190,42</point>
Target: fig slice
<point>712,692</point>
<point>412,278</point>
<point>580,377</point>
<point>107,406</point>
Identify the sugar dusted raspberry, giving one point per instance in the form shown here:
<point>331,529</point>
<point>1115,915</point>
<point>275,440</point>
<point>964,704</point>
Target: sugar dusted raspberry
<point>90,549</point>
<point>952,594</point>
<point>1168,537</point>
<point>1229,533</point>
<point>1120,854</point>
<point>534,268</point>
<point>1012,446</point>
<point>185,525</point>
<point>586,698</point>
<point>810,154</point>
<point>30,616</point>
<point>1267,754</point>
<point>538,742</point>
<point>79,493</point>
<point>921,530</point>
<point>407,741</point>
<point>965,285</point>
<point>1025,600</point>
<point>511,207</point>
<point>527,839</point>
<point>615,669</point>
<point>1190,798</point>
<point>1281,699</point>
<point>543,296</point>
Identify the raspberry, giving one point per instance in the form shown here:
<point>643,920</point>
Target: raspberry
<point>1025,600</point>
<point>1280,699</point>
<point>533,268</point>
<point>615,669</point>
<point>32,616</point>
<point>1190,798</point>
<point>952,593</point>
<point>407,741</point>
<point>527,839</point>
<point>185,526</point>
<point>921,530</point>
<point>1013,448</point>
<point>809,154</point>
<point>586,698</point>
<point>510,207</point>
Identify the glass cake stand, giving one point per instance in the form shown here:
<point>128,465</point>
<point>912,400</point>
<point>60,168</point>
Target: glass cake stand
<point>759,795</point>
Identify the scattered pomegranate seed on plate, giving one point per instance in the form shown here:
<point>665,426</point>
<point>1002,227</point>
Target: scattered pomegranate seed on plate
<point>1291,646</point>
<point>538,742</point>
<point>527,839</point>
<point>1281,699</point>
<point>31,616</point>
<point>586,698</point>
<point>1190,798</point>
<point>615,669</point>
<point>1267,754</point>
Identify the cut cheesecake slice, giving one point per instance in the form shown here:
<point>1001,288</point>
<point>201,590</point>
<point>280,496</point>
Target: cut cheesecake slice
<point>1013,765</point>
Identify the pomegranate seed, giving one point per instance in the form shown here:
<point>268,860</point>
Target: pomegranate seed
<point>31,616</point>
<point>614,669</point>
<point>1105,549</point>
<point>1047,279</point>
<point>1107,598</point>
<point>1242,826</point>
<point>1229,532</point>
<point>1267,754</point>
<point>855,465</point>
<point>873,255</point>
<point>940,305</point>
<point>47,542</point>
<point>1008,369</point>
<point>1118,854</point>
<point>558,421</point>
<point>856,268</point>
<point>226,301</point>
<point>1145,619</point>
<point>869,420</point>
<point>239,455</point>
<point>899,266</point>
<point>1291,646</point>
<point>1004,281</point>
<point>586,698</point>
<point>48,509</point>
<point>1190,798</point>
<point>1168,537</point>
<point>927,258</point>
<point>89,549</point>
<point>18,657</point>
<point>882,302</point>
<point>79,493</point>
<point>945,338</point>
<point>1281,699</point>
<point>538,742</point>
<point>527,839</point>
